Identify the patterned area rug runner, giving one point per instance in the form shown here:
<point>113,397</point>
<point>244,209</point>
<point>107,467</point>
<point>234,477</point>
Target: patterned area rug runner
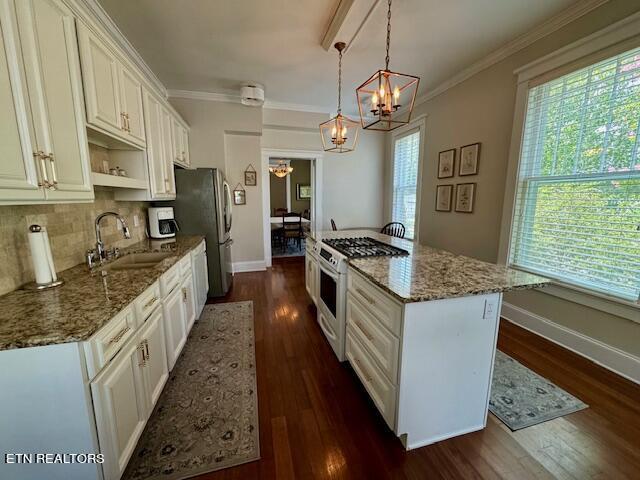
<point>521,398</point>
<point>207,416</point>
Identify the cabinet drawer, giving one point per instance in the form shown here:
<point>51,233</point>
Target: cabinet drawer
<point>381,344</point>
<point>147,302</point>
<point>107,341</point>
<point>185,266</point>
<point>170,280</point>
<point>383,307</point>
<point>382,392</point>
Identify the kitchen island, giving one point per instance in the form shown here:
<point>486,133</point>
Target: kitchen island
<point>421,332</point>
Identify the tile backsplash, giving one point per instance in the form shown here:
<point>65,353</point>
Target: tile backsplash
<point>71,232</point>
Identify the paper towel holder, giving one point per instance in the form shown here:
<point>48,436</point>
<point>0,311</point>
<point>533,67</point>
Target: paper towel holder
<point>33,286</point>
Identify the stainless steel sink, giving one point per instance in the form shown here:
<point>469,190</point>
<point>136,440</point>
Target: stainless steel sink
<point>137,260</point>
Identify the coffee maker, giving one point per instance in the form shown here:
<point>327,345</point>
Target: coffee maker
<point>162,223</point>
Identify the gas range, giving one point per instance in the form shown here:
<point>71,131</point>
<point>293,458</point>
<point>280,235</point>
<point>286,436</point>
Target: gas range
<point>337,251</point>
<point>362,247</point>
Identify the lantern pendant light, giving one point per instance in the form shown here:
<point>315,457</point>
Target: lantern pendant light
<point>386,100</point>
<point>340,134</point>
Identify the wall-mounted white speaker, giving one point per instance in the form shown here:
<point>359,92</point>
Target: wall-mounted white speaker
<point>252,95</point>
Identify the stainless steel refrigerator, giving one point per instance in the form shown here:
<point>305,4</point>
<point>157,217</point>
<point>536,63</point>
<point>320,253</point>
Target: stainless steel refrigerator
<point>203,206</point>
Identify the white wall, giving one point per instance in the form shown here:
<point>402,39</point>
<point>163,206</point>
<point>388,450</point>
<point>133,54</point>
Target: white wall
<point>229,136</point>
<point>353,182</point>
<point>246,230</point>
<point>481,109</point>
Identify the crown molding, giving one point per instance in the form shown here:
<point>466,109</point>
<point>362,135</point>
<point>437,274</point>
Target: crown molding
<point>94,15</point>
<point>234,98</point>
<point>555,23</point>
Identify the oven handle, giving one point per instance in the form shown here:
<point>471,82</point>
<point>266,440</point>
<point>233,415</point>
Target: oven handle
<point>325,328</point>
<point>326,268</point>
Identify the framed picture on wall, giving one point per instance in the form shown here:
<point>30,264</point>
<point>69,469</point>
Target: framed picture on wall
<point>303,192</point>
<point>444,193</point>
<point>250,176</point>
<point>446,163</point>
<point>239,196</point>
<point>465,196</point>
<point>469,157</point>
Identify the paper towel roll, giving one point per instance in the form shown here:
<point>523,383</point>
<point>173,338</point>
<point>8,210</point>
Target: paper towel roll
<point>41,255</point>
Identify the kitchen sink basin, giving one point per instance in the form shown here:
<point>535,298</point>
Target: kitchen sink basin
<point>137,260</point>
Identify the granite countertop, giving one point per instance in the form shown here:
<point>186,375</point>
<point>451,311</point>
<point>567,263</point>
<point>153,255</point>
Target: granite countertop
<point>86,301</point>
<point>432,274</point>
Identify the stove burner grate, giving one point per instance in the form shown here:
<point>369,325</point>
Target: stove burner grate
<point>362,247</point>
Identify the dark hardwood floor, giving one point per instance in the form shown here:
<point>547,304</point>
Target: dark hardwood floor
<point>316,421</point>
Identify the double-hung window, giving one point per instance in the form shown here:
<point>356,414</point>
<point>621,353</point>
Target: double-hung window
<point>406,160</point>
<point>577,204</point>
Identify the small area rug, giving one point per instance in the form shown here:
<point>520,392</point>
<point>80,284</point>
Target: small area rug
<point>521,398</point>
<point>207,416</point>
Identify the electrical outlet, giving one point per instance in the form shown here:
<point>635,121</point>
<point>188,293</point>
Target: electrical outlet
<point>489,309</point>
<point>136,221</point>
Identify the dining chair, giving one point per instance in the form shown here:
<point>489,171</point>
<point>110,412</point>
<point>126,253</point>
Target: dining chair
<point>279,211</point>
<point>333,225</point>
<point>393,229</point>
<point>292,230</point>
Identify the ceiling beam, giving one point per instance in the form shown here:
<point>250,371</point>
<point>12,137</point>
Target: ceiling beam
<point>347,22</point>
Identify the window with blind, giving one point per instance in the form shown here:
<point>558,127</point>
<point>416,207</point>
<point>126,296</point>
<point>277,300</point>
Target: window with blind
<point>406,157</point>
<point>577,206</point>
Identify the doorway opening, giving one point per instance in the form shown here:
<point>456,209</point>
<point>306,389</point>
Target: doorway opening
<point>291,202</point>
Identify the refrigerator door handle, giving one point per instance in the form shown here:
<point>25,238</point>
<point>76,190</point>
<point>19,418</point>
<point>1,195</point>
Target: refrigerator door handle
<point>228,213</point>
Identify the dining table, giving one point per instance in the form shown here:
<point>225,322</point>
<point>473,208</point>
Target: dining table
<point>278,220</point>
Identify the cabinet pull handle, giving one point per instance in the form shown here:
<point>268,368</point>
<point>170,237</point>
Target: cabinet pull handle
<point>118,336</point>
<point>43,169</point>
<point>364,370</point>
<point>54,182</point>
<point>126,115</point>
<point>151,302</point>
<point>184,294</point>
<point>124,122</point>
<point>141,361</point>
<point>364,330</point>
<point>146,348</point>
<point>366,297</point>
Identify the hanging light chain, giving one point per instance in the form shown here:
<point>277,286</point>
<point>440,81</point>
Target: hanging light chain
<point>339,81</point>
<point>388,35</point>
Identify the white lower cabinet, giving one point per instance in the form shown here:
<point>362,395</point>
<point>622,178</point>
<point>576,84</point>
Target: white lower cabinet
<point>120,408</point>
<point>188,302</point>
<point>311,276</point>
<point>155,368</point>
<point>175,325</point>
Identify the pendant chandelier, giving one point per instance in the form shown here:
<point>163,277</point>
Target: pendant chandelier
<point>281,169</point>
<point>340,134</point>
<point>385,101</point>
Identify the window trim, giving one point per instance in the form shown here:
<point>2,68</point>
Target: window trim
<point>610,41</point>
<point>418,124</point>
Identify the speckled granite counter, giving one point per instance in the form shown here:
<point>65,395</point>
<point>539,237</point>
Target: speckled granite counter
<point>77,309</point>
<point>432,274</point>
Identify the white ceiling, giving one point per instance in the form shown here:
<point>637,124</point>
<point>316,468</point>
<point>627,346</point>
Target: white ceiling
<point>215,45</point>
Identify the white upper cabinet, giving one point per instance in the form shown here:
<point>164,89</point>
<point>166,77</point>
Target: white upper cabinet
<point>168,149</point>
<point>131,101</point>
<point>52,88</point>
<point>113,93</point>
<point>159,159</point>
<point>180,144</point>
<point>19,178</point>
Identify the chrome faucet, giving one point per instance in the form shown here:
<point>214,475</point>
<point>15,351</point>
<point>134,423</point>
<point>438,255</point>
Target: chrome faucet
<point>100,253</point>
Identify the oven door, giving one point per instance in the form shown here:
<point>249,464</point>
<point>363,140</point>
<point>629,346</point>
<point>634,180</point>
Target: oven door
<point>329,279</point>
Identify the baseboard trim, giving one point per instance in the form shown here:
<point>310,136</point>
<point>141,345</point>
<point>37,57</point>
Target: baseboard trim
<point>253,266</point>
<point>611,358</point>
